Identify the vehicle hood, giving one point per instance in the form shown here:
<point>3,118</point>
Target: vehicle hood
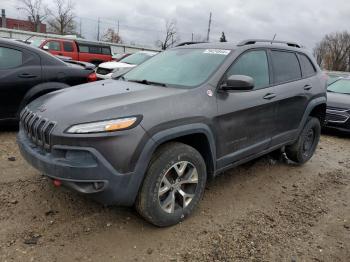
<point>100,100</point>
<point>114,65</point>
<point>338,100</point>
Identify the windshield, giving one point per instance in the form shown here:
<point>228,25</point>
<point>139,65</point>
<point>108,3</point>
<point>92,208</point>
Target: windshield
<point>179,67</point>
<point>341,86</point>
<point>136,59</point>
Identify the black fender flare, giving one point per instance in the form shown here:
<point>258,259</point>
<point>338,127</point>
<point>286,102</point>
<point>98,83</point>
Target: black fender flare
<point>315,102</point>
<point>162,137</point>
<point>40,89</point>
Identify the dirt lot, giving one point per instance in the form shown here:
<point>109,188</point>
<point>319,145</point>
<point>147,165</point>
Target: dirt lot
<point>262,211</point>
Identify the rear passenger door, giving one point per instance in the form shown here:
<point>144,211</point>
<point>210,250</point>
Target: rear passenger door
<point>290,94</point>
<point>20,70</point>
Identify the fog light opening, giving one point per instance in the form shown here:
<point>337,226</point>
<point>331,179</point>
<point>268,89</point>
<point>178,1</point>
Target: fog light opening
<point>98,185</point>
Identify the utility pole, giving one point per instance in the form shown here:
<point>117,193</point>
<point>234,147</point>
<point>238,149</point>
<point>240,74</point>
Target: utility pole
<point>192,37</point>
<point>80,31</point>
<point>98,29</point>
<point>209,27</point>
<point>118,28</point>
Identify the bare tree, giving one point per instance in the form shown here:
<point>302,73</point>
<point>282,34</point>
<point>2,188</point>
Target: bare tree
<point>171,36</point>
<point>61,19</point>
<point>333,52</point>
<point>35,10</point>
<point>112,36</point>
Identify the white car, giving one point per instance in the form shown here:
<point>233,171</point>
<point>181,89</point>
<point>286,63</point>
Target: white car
<point>105,70</point>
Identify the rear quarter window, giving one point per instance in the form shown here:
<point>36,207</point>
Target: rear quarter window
<point>306,65</point>
<point>10,58</point>
<point>285,66</point>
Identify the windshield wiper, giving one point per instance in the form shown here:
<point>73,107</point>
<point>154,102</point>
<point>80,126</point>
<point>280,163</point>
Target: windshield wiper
<point>146,82</point>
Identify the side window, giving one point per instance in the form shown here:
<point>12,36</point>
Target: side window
<point>68,46</point>
<point>285,66</point>
<point>95,50</point>
<point>10,58</point>
<point>106,50</point>
<point>54,45</point>
<point>253,64</point>
<point>307,67</point>
<point>83,49</point>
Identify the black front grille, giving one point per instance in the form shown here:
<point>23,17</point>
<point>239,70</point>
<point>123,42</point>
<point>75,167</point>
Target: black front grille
<point>37,128</point>
<point>103,71</point>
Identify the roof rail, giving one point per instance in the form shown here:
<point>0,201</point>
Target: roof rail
<point>189,43</point>
<point>254,41</point>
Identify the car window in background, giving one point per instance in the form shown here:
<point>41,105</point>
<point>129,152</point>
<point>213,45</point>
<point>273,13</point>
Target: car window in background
<point>83,49</point>
<point>341,86</point>
<point>306,66</point>
<point>136,59</point>
<point>106,50</point>
<point>36,42</point>
<point>10,58</point>
<point>68,46</point>
<point>94,49</point>
<point>253,64</point>
<point>180,67</point>
<point>54,46</point>
<point>285,66</point>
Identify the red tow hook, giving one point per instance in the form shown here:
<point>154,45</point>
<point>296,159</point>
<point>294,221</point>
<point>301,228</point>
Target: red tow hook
<point>57,183</point>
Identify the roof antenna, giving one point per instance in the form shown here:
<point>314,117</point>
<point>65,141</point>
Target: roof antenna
<point>273,39</point>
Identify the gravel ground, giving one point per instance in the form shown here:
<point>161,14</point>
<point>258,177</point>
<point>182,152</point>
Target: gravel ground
<point>265,210</point>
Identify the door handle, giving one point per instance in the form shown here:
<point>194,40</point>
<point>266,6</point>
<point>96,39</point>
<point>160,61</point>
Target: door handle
<point>25,75</point>
<point>269,96</point>
<point>307,87</point>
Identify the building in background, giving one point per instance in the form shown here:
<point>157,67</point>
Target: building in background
<point>18,24</point>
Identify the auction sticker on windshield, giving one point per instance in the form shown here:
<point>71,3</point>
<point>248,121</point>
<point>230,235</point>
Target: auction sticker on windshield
<point>217,51</point>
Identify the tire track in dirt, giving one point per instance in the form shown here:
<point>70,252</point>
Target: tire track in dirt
<point>279,234</point>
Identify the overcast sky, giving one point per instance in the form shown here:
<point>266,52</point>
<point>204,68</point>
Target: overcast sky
<point>142,22</point>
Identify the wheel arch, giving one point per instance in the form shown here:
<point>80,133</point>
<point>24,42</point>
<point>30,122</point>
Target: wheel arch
<point>316,108</point>
<point>192,135</point>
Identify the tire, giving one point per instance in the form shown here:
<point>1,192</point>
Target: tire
<point>303,149</point>
<point>160,200</point>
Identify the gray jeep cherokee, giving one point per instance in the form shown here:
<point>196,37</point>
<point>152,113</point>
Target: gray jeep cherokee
<point>152,137</point>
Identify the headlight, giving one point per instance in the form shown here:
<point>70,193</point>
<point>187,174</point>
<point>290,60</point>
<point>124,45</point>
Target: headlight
<point>103,126</point>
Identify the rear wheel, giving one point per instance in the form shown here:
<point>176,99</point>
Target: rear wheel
<point>173,185</point>
<point>304,148</point>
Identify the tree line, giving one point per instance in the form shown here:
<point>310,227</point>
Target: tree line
<point>333,52</point>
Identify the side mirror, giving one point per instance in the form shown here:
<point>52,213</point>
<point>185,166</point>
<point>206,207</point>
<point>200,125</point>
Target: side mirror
<point>45,47</point>
<point>238,83</point>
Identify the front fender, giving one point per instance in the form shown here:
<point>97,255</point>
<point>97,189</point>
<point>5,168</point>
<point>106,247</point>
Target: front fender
<point>39,90</point>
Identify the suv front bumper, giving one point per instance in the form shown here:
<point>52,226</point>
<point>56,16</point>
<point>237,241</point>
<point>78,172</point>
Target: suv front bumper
<point>82,169</point>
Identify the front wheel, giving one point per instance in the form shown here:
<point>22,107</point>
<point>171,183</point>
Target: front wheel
<point>173,185</point>
<point>304,148</point>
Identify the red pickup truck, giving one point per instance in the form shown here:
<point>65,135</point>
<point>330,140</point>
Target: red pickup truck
<point>78,50</point>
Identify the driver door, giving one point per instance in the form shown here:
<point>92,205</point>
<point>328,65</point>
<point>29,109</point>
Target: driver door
<point>246,118</point>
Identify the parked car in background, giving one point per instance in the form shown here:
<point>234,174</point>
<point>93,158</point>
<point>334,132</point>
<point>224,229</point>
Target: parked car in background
<point>153,137</point>
<point>69,60</point>
<point>338,105</point>
<point>106,70</point>
<point>335,75</point>
<point>27,72</point>
<point>118,57</point>
<point>78,50</point>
